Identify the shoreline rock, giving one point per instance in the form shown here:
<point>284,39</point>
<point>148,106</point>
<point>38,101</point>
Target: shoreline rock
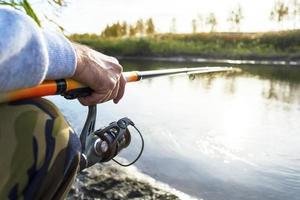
<point>108,182</point>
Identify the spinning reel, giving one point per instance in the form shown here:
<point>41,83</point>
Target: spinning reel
<point>104,144</point>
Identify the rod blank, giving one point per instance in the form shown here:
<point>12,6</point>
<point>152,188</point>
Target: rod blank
<point>73,89</point>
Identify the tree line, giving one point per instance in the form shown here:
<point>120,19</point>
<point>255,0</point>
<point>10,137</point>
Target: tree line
<point>140,28</point>
<point>281,11</point>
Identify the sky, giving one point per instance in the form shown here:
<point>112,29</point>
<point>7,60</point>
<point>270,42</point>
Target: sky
<point>91,16</point>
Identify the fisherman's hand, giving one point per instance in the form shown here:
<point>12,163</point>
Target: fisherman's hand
<point>101,73</point>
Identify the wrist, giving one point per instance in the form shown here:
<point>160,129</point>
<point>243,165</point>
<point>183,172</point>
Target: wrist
<point>82,72</point>
<point>80,65</point>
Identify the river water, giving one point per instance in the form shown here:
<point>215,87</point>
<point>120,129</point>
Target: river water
<point>215,137</point>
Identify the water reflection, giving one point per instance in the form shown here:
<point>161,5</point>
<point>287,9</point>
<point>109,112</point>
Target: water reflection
<point>280,83</point>
<point>271,88</point>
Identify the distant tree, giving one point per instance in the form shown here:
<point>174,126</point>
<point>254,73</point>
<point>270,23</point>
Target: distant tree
<point>115,30</point>
<point>235,18</point>
<point>132,31</point>
<point>150,28</point>
<point>105,33</point>
<point>200,22</point>
<point>280,11</point>
<point>124,29</point>
<point>194,26</point>
<point>295,11</point>
<point>173,25</point>
<point>140,28</point>
<point>211,21</point>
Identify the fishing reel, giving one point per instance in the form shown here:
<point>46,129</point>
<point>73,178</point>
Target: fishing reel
<point>104,144</point>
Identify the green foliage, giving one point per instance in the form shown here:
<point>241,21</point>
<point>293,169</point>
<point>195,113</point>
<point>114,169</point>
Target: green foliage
<point>218,45</point>
<point>9,3</point>
<point>59,2</point>
<point>26,6</point>
<point>30,12</point>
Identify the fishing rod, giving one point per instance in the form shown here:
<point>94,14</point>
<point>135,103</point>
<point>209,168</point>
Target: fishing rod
<point>106,143</point>
<point>72,89</point>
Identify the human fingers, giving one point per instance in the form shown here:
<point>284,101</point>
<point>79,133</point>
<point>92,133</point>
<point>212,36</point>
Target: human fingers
<point>94,98</point>
<point>114,92</point>
<point>121,89</point>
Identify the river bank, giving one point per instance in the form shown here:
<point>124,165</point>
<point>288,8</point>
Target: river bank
<point>212,61</point>
<point>267,46</point>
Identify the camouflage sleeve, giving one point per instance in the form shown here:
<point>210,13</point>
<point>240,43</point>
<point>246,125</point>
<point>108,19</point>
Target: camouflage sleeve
<point>39,151</point>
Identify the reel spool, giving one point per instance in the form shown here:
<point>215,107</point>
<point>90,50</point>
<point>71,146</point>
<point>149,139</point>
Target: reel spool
<point>113,139</point>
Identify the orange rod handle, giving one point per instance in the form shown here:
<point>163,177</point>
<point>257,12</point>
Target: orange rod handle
<point>52,88</point>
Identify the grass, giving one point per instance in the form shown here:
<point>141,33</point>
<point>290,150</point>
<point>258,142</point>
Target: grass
<point>270,45</point>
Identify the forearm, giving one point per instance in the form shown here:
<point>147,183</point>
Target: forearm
<point>29,55</point>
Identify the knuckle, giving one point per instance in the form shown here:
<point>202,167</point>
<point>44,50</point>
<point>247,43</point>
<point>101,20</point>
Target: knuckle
<point>114,60</point>
<point>118,68</point>
<point>111,84</point>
